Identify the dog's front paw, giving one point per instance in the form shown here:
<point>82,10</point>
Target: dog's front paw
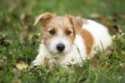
<point>33,63</point>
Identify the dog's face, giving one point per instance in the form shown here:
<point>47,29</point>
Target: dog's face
<point>59,35</point>
<point>59,31</point>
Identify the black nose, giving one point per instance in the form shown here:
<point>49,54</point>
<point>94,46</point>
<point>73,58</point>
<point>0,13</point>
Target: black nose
<point>60,47</point>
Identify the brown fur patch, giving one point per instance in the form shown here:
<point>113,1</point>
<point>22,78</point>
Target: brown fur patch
<point>45,19</point>
<point>46,36</point>
<point>70,37</point>
<point>77,23</point>
<point>88,40</point>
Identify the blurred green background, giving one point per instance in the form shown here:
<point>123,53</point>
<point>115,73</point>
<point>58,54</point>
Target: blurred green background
<point>20,39</point>
<point>15,12</point>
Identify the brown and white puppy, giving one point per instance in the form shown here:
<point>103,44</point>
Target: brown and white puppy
<point>70,38</point>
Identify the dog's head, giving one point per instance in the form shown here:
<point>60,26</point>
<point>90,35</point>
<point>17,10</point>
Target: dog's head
<point>59,31</point>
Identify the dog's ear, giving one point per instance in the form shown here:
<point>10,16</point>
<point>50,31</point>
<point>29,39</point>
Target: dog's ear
<point>44,18</point>
<point>77,23</point>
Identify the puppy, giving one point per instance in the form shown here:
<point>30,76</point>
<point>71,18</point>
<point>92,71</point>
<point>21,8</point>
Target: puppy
<point>71,39</point>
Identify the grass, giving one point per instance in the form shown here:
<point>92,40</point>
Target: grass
<point>16,25</point>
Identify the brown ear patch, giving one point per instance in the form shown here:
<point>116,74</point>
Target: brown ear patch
<point>77,23</point>
<point>44,18</point>
<point>88,40</point>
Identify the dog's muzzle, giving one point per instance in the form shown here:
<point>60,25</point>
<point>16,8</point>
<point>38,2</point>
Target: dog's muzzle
<point>60,47</point>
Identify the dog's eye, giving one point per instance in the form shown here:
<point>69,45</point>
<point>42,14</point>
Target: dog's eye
<point>68,32</point>
<point>52,32</point>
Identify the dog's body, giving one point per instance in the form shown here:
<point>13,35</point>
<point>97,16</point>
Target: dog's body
<point>72,40</point>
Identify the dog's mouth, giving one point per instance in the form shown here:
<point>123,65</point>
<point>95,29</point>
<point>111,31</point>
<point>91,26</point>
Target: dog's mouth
<point>61,53</point>
<point>57,52</point>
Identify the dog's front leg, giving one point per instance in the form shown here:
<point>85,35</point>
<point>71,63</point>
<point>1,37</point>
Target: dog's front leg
<point>39,60</point>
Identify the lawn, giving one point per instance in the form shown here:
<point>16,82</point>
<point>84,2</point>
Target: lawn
<point>20,39</point>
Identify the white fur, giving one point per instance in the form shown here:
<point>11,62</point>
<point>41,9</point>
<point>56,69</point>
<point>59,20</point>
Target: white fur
<point>101,37</point>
